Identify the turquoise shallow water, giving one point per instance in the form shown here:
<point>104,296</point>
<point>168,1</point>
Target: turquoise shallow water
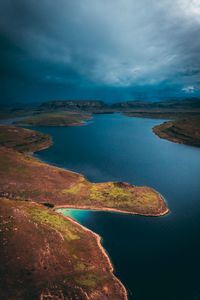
<point>156,258</point>
<point>76,214</point>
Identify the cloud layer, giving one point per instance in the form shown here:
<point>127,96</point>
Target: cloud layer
<point>103,49</point>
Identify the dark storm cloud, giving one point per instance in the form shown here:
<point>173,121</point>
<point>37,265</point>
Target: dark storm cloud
<point>102,49</point>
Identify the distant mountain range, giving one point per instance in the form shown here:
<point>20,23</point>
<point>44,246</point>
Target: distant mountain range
<point>160,109</point>
<point>98,106</point>
<point>192,103</point>
<point>72,104</point>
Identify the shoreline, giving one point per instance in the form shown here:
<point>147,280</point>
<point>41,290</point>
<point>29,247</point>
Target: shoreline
<point>93,208</point>
<point>171,139</point>
<point>78,123</point>
<point>98,239</point>
<point>183,131</point>
<point>107,209</point>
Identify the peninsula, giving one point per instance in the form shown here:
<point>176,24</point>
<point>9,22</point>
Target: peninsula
<point>64,118</point>
<point>66,263</point>
<point>26,178</point>
<point>183,131</point>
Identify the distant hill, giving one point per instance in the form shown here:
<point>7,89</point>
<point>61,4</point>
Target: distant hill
<point>159,109</point>
<point>72,104</point>
<point>189,103</point>
<point>96,104</point>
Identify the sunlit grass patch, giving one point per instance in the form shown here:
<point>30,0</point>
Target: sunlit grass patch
<point>79,266</point>
<point>75,189</point>
<point>56,222</point>
<point>87,280</point>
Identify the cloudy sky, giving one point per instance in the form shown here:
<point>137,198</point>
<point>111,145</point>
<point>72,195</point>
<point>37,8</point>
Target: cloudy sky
<point>101,49</point>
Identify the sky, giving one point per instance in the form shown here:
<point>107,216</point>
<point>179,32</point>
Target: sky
<point>112,50</point>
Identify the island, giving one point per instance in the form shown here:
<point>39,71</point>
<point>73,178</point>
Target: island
<point>183,131</point>
<point>52,255</point>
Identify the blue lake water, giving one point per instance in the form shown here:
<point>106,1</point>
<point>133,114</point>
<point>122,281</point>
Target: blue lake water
<point>155,258</point>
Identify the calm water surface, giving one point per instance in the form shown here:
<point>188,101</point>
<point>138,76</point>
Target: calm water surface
<point>155,258</point>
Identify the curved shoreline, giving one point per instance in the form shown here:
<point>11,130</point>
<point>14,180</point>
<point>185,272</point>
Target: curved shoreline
<point>98,239</point>
<point>95,235</point>
<point>181,131</point>
<point>82,122</point>
<point>85,207</point>
<point>107,209</point>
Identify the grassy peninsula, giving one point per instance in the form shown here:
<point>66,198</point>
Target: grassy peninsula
<point>55,119</point>
<point>24,177</point>
<point>23,140</point>
<point>53,256</point>
<point>183,131</point>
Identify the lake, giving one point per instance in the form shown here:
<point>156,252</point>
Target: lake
<point>155,257</point>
